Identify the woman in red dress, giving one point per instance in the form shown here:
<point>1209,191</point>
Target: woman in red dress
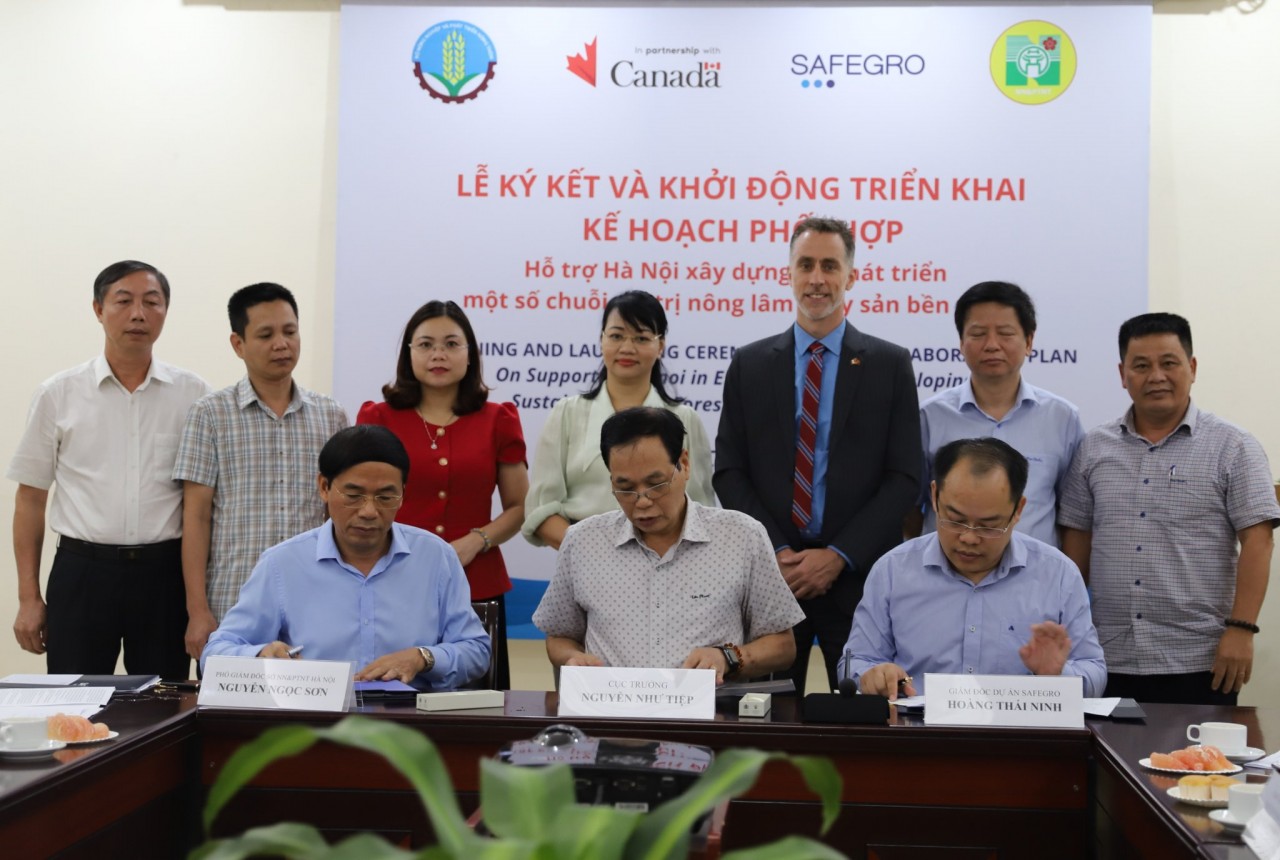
<point>461,447</point>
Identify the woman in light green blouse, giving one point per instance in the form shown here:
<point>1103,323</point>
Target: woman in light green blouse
<point>570,480</point>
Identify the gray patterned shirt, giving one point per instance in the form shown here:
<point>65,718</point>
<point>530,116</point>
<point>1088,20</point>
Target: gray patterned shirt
<point>1164,519</point>
<point>263,472</point>
<point>719,583</point>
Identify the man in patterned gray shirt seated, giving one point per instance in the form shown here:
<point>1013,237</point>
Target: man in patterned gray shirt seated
<point>666,582</point>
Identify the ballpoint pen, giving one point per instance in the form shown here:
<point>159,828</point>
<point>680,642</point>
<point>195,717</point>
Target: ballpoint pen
<point>295,651</point>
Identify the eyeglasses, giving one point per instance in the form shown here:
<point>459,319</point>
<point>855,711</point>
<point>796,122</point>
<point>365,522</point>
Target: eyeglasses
<point>978,531</point>
<point>640,341</point>
<point>657,491</point>
<point>357,500</point>
<point>450,346</point>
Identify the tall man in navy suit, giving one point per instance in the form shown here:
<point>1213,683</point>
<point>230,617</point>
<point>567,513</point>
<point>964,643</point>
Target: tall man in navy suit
<point>820,441</point>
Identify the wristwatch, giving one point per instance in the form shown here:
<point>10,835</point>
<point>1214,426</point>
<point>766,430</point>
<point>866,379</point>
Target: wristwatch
<point>427,657</point>
<point>732,659</point>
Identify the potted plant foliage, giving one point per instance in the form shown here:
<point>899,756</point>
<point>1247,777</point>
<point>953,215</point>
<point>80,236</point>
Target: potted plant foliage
<point>529,810</point>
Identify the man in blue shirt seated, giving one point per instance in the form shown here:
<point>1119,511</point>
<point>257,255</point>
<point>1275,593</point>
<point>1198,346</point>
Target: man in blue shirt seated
<point>975,597</point>
<point>388,598</point>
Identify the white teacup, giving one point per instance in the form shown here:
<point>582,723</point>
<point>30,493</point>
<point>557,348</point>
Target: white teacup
<point>1231,738</point>
<point>24,732</point>
<point>1244,800</point>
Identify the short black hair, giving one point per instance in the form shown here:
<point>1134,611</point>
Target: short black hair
<point>123,269</point>
<point>825,225</point>
<point>406,391</point>
<point>255,294</point>
<point>983,455</point>
<point>363,443</point>
<point>1002,293</point>
<point>1156,323</point>
<point>631,425</point>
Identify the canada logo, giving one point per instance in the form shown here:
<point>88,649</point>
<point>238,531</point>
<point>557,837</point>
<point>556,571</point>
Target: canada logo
<point>454,61</point>
<point>584,65</point>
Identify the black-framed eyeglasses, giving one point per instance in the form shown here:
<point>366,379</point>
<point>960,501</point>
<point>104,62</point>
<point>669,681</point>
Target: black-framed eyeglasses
<point>657,491</point>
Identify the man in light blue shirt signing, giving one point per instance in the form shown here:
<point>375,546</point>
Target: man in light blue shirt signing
<point>975,597</point>
<point>390,599</point>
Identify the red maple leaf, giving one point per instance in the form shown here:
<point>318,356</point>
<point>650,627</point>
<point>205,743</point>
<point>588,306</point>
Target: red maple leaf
<point>1050,43</point>
<point>585,68</point>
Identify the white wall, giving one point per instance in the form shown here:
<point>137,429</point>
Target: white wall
<point>201,136</point>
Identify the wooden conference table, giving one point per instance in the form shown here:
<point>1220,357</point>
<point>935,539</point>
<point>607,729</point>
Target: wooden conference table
<point>911,791</point>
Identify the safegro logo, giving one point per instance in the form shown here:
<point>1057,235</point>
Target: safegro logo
<point>1033,62</point>
<point>454,61</point>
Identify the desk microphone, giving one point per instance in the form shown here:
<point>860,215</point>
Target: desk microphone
<point>847,706</point>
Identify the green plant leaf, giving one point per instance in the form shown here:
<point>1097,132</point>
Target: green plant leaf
<point>368,846</point>
<point>287,840</point>
<point>248,761</point>
<point>521,802</point>
<point>822,778</point>
<point>592,832</point>
<point>664,833</point>
<point>788,848</point>
<point>416,758</point>
<point>509,849</point>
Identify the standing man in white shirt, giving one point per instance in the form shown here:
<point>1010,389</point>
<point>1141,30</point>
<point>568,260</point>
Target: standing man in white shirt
<point>106,432</point>
<point>248,459</point>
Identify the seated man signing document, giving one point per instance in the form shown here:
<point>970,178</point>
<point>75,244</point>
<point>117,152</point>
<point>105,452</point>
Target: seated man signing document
<point>390,599</point>
<point>975,597</point>
<point>665,582</point>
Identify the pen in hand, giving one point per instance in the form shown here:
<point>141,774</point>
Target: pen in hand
<point>294,651</point>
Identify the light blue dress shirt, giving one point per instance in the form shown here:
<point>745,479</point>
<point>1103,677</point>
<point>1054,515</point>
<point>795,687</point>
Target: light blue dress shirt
<point>826,405</point>
<point>301,592</point>
<point>920,614</point>
<point>1042,426</point>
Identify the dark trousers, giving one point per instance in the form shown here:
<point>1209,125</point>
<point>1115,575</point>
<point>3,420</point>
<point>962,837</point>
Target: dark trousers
<point>96,601</point>
<point>1192,688</point>
<point>824,620</point>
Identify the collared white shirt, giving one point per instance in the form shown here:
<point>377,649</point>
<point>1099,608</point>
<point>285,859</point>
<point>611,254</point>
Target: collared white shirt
<point>110,451</point>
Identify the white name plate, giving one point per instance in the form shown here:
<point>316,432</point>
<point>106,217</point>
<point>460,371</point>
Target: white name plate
<point>1004,700</point>
<point>291,685</point>
<point>670,694</point>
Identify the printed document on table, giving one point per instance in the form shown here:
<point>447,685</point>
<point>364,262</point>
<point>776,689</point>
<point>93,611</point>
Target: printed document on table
<point>15,697</point>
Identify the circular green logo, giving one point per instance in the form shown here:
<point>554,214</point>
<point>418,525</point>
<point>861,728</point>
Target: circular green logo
<point>1033,62</point>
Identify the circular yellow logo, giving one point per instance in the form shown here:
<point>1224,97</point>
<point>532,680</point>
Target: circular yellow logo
<point>1033,62</point>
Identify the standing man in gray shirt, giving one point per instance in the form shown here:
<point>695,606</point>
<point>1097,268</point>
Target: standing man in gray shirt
<point>1152,511</point>
<point>106,432</point>
<point>248,459</point>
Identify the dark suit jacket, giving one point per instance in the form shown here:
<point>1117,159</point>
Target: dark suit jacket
<point>873,455</point>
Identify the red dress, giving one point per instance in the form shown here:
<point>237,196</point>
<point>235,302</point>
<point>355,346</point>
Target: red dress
<point>450,489</point>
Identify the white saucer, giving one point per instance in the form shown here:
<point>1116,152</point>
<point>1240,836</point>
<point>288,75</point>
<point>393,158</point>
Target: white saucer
<point>1223,817</point>
<point>110,736</point>
<point>1211,804</point>
<point>48,748</point>
<point>1246,754</point>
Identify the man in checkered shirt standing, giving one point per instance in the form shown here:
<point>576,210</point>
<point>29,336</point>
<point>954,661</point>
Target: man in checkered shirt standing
<point>1168,512</point>
<point>248,459</point>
